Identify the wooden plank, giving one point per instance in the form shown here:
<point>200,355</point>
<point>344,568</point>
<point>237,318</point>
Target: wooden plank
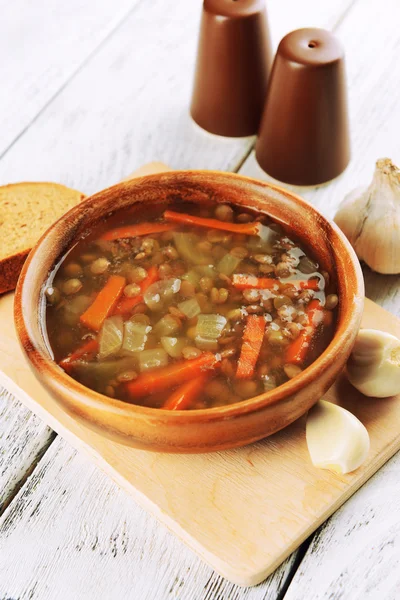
<point>43,44</point>
<point>356,554</point>
<point>129,105</point>
<point>126,107</point>
<point>307,13</point>
<point>23,440</point>
<point>72,532</point>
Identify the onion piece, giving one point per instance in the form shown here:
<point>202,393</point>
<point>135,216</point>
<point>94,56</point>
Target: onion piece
<point>167,325</point>
<point>135,336</point>
<point>207,271</point>
<point>228,264</point>
<point>208,330</point>
<point>269,383</point>
<point>192,276</point>
<point>111,336</point>
<point>264,242</point>
<point>186,245</point>
<point>190,308</point>
<point>161,292</point>
<point>174,346</point>
<point>152,359</point>
<point>78,304</point>
<point>206,344</point>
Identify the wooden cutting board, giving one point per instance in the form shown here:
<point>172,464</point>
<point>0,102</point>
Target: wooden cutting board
<point>244,510</point>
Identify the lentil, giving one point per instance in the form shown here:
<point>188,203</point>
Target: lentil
<point>72,286</point>
<point>251,295</point>
<point>190,352</point>
<point>254,309</point>
<point>227,367</point>
<point>73,270</point>
<point>239,252</point>
<point>149,246</point>
<point>53,295</point>
<point>170,252</point>
<point>246,389</point>
<point>165,270</point>
<point>206,284</point>
<point>244,218</point>
<point>99,266</point>
<point>217,390</point>
<point>137,275</point>
<point>331,301</point>
<point>131,290</point>
<point>263,259</point>
<point>110,391</point>
<point>187,290</point>
<point>223,212</point>
<point>219,296</point>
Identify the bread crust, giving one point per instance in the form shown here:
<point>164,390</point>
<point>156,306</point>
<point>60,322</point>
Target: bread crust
<point>10,268</point>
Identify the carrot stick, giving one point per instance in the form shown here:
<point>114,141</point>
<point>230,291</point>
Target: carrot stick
<point>125,305</point>
<point>136,230</point>
<point>164,378</point>
<point>186,394</point>
<point>89,347</point>
<point>245,282</point>
<point>246,228</point>
<point>104,303</point>
<point>297,351</point>
<point>253,336</point>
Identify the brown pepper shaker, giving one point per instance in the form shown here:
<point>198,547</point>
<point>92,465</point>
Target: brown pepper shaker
<point>304,133</point>
<point>233,63</point>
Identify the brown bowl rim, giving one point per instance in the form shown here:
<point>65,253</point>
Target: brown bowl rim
<point>65,384</point>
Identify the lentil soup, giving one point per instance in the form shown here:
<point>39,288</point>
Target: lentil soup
<point>192,307</point>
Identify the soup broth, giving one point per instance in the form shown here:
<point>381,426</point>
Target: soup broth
<point>190,307</point>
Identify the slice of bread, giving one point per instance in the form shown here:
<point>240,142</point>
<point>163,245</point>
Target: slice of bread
<point>26,211</point>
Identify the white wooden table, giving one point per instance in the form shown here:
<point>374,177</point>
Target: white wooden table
<point>89,92</point>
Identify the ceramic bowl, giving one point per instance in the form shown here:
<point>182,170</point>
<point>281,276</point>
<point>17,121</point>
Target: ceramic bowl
<point>198,430</point>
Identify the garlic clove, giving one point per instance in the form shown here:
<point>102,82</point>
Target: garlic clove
<point>370,219</point>
<point>374,364</point>
<point>336,439</point>
<point>349,214</point>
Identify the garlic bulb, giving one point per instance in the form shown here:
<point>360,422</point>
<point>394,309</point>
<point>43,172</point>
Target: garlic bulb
<point>370,219</point>
<point>374,364</point>
<point>336,439</point>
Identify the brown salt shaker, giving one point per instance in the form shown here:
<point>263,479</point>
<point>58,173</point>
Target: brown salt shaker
<point>304,132</point>
<point>233,63</point>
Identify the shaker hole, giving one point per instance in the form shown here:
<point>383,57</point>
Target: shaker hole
<point>312,44</point>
